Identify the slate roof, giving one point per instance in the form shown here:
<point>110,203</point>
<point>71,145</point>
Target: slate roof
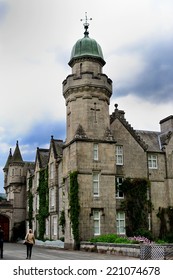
<point>8,161</point>
<point>43,157</point>
<point>119,114</point>
<point>17,155</point>
<point>152,139</point>
<point>57,147</point>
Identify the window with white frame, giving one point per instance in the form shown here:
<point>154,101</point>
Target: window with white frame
<point>120,222</point>
<point>119,155</point>
<point>54,225</point>
<point>96,184</point>
<point>96,220</point>
<point>152,161</point>
<point>52,197</point>
<point>47,226</point>
<point>95,151</point>
<point>119,192</point>
<point>51,170</point>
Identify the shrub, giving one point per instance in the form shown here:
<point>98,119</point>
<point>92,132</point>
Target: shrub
<point>145,233</point>
<point>111,238</point>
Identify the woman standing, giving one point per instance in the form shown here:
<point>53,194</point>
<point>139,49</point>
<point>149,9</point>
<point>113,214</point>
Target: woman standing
<point>30,241</point>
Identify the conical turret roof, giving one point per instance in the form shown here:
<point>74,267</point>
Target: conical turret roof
<point>17,155</point>
<point>8,161</point>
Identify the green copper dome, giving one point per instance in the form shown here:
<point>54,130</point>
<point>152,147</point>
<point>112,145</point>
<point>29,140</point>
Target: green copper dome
<point>85,48</point>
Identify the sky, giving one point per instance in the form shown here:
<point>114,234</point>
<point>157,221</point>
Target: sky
<point>36,39</point>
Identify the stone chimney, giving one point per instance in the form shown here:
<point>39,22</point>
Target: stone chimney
<point>166,124</point>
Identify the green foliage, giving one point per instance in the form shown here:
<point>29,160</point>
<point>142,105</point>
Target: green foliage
<point>30,202</point>
<point>43,192</point>
<point>111,238</point>
<point>62,221</point>
<point>74,207</point>
<point>145,233</point>
<point>170,217</point>
<point>166,223</point>
<point>136,204</point>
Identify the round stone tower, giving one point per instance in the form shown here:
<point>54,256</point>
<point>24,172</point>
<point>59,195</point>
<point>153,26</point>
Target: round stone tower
<point>87,91</point>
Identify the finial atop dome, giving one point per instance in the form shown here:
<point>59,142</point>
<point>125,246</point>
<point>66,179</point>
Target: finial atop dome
<point>86,24</point>
<point>86,47</point>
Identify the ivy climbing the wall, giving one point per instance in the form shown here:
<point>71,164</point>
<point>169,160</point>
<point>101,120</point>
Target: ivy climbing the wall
<point>43,192</point>
<point>74,207</point>
<point>166,223</point>
<point>136,205</point>
<point>30,203</point>
<point>62,221</point>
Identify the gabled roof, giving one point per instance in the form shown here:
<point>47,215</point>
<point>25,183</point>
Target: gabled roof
<point>80,132</point>
<point>119,114</point>
<point>152,139</point>
<point>42,156</point>
<point>155,140</point>
<point>57,147</point>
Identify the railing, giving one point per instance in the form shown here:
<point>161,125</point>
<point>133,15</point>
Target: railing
<point>156,252</point>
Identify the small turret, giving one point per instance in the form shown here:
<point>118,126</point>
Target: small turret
<point>16,167</point>
<point>17,158</point>
<point>6,168</point>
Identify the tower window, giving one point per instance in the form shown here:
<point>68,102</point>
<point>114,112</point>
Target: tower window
<point>80,68</point>
<point>95,151</point>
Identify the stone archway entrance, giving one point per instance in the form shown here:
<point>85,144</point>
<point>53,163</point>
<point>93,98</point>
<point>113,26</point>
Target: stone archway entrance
<point>4,222</point>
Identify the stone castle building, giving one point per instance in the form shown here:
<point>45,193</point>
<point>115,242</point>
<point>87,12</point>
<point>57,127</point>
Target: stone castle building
<point>102,149</point>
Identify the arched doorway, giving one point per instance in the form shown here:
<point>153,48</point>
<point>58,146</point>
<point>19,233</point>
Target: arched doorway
<point>4,222</point>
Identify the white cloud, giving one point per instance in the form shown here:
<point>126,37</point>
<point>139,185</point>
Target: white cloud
<point>125,68</point>
<point>141,114</point>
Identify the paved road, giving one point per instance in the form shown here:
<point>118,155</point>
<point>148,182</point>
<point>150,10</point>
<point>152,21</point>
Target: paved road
<point>13,251</point>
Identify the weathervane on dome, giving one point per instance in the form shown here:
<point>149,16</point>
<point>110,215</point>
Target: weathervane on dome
<point>86,24</point>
